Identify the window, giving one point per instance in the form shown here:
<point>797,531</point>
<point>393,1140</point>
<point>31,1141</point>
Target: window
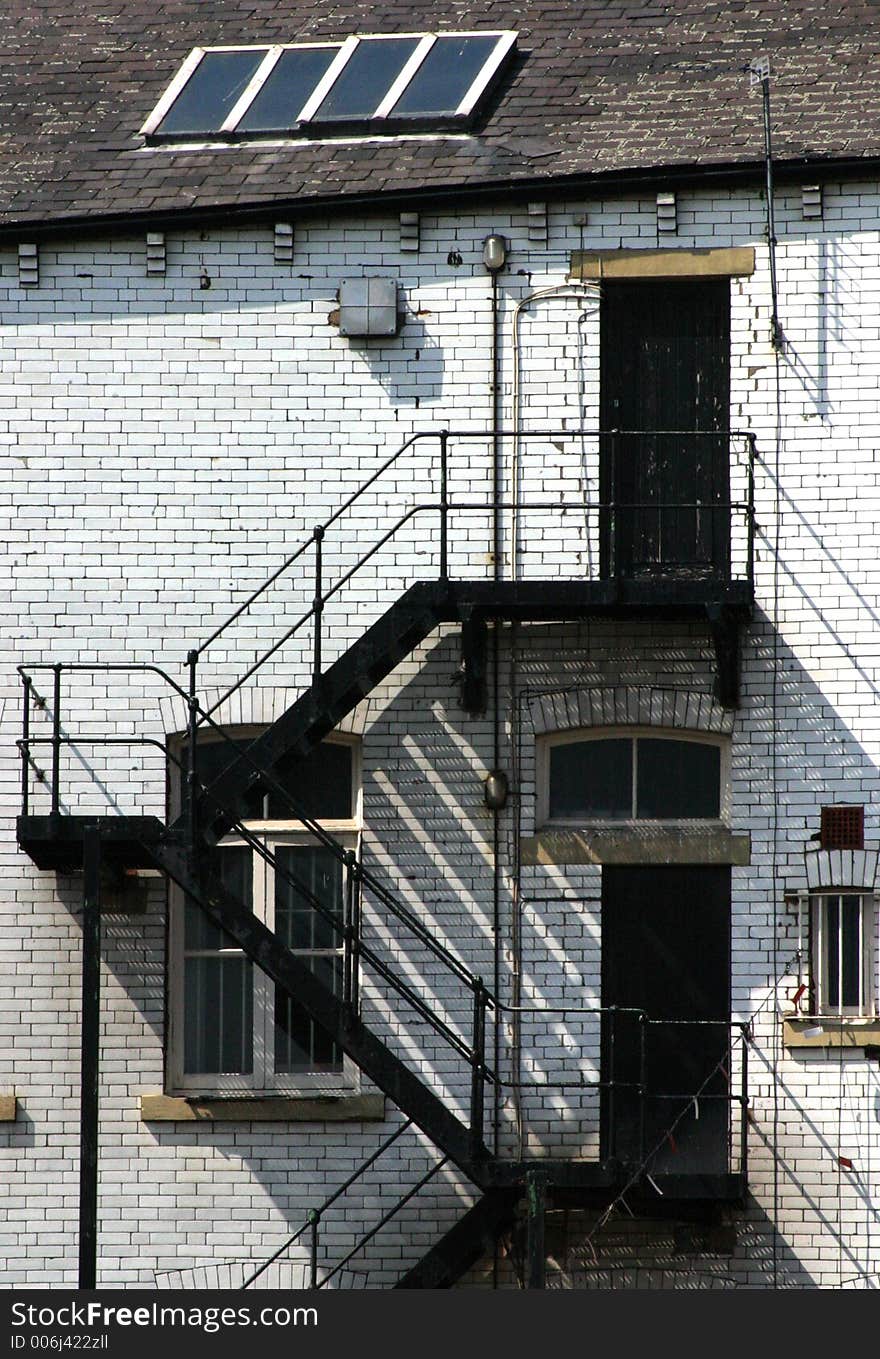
<point>231,1029</point>
<point>843,928</point>
<point>389,82</point>
<point>641,776</point>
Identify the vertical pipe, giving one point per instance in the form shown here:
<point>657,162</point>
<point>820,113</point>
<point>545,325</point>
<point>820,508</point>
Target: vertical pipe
<point>478,1066</point>
<point>25,743</point>
<point>318,535</point>
<point>536,1202</point>
<point>496,435</point>
<point>444,504</point>
<point>56,740</point>
<point>89,1058</point>
<point>192,770</point>
<point>775,331</point>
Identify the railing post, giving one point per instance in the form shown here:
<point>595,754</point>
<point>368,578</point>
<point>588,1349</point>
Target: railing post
<point>90,1057</point>
<point>314,1224</point>
<point>444,504</point>
<point>750,514</point>
<point>349,945</point>
<point>356,931</point>
<point>56,739</point>
<point>744,1107</point>
<point>191,772</point>
<point>478,1067</point>
<point>25,744</point>
<point>318,536</point>
<point>643,1081</point>
<point>609,1098</point>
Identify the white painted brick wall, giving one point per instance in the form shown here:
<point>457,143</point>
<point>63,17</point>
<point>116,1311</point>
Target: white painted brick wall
<point>165,446</point>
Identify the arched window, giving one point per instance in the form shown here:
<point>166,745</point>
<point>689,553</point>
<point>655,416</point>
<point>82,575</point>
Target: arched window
<point>632,774</point>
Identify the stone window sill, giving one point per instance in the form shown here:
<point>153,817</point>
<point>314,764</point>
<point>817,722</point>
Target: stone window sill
<point>835,1033</point>
<point>268,1109</point>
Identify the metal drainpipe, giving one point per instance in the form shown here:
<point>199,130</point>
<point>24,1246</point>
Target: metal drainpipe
<point>496,715</point>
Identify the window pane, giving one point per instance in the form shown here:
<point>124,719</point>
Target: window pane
<point>366,78</point>
<point>284,94</point>
<point>677,779</point>
<point>445,76</point>
<point>233,866</point>
<point>850,947</point>
<point>832,951</point>
<point>218,1015</point>
<point>591,779</point>
<point>304,873</point>
<point>321,785</point>
<point>301,1044</point>
<point>211,91</point>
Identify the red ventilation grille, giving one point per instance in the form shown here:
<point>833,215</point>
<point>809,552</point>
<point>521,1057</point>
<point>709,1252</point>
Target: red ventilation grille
<point>843,828</point>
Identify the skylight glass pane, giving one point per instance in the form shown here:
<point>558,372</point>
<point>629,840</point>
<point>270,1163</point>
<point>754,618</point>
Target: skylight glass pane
<point>366,78</point>
<point>445,76</point>
<point>211,91</point>
<point>294,77</point>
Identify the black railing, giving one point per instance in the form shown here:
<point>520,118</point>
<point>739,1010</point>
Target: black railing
<point>356,952</point>
<point>643,1120</point>
<point>311,1228</point>
<point>623,534</point>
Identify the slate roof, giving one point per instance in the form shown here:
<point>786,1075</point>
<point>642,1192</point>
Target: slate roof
<point>608,88</point>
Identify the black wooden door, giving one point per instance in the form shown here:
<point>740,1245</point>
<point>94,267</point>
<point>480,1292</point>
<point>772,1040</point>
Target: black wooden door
<point>666,953</point>
<point>665,410</point>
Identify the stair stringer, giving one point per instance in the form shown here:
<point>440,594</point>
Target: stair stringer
<point>466,1241</point>
<point>369,660</point>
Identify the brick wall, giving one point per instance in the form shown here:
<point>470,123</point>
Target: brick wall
<point>167,441</point>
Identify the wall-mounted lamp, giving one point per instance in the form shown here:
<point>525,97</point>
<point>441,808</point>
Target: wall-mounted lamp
<point>495,790</point>
<point>495,252</point>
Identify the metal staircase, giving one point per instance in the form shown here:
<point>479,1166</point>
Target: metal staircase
<point>55,840</point>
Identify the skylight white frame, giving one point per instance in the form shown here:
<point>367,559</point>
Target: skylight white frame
<point>504,41</point>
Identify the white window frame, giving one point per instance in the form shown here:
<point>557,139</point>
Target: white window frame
<point>818,906</point>
<point>262,1081</point>
<point>574,736</point>
<point>505,39</point>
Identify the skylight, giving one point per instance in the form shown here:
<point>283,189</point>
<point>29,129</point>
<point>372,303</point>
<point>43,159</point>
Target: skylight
<point>388,83</point>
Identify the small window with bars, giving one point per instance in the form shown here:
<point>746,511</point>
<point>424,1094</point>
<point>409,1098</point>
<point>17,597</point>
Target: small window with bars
<point>844,926</point>
<point>842,828</point>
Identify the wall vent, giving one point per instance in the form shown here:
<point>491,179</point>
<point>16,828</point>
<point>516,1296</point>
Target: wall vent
<point>842,828</point>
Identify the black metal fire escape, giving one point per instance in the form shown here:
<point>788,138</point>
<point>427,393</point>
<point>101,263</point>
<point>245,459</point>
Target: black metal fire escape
<point>722,600</point>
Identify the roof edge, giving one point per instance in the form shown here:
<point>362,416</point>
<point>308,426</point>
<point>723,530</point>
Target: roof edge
<point>546,186</point>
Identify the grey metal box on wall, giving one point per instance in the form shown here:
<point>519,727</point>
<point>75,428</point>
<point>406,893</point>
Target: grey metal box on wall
<point>368,306</point>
